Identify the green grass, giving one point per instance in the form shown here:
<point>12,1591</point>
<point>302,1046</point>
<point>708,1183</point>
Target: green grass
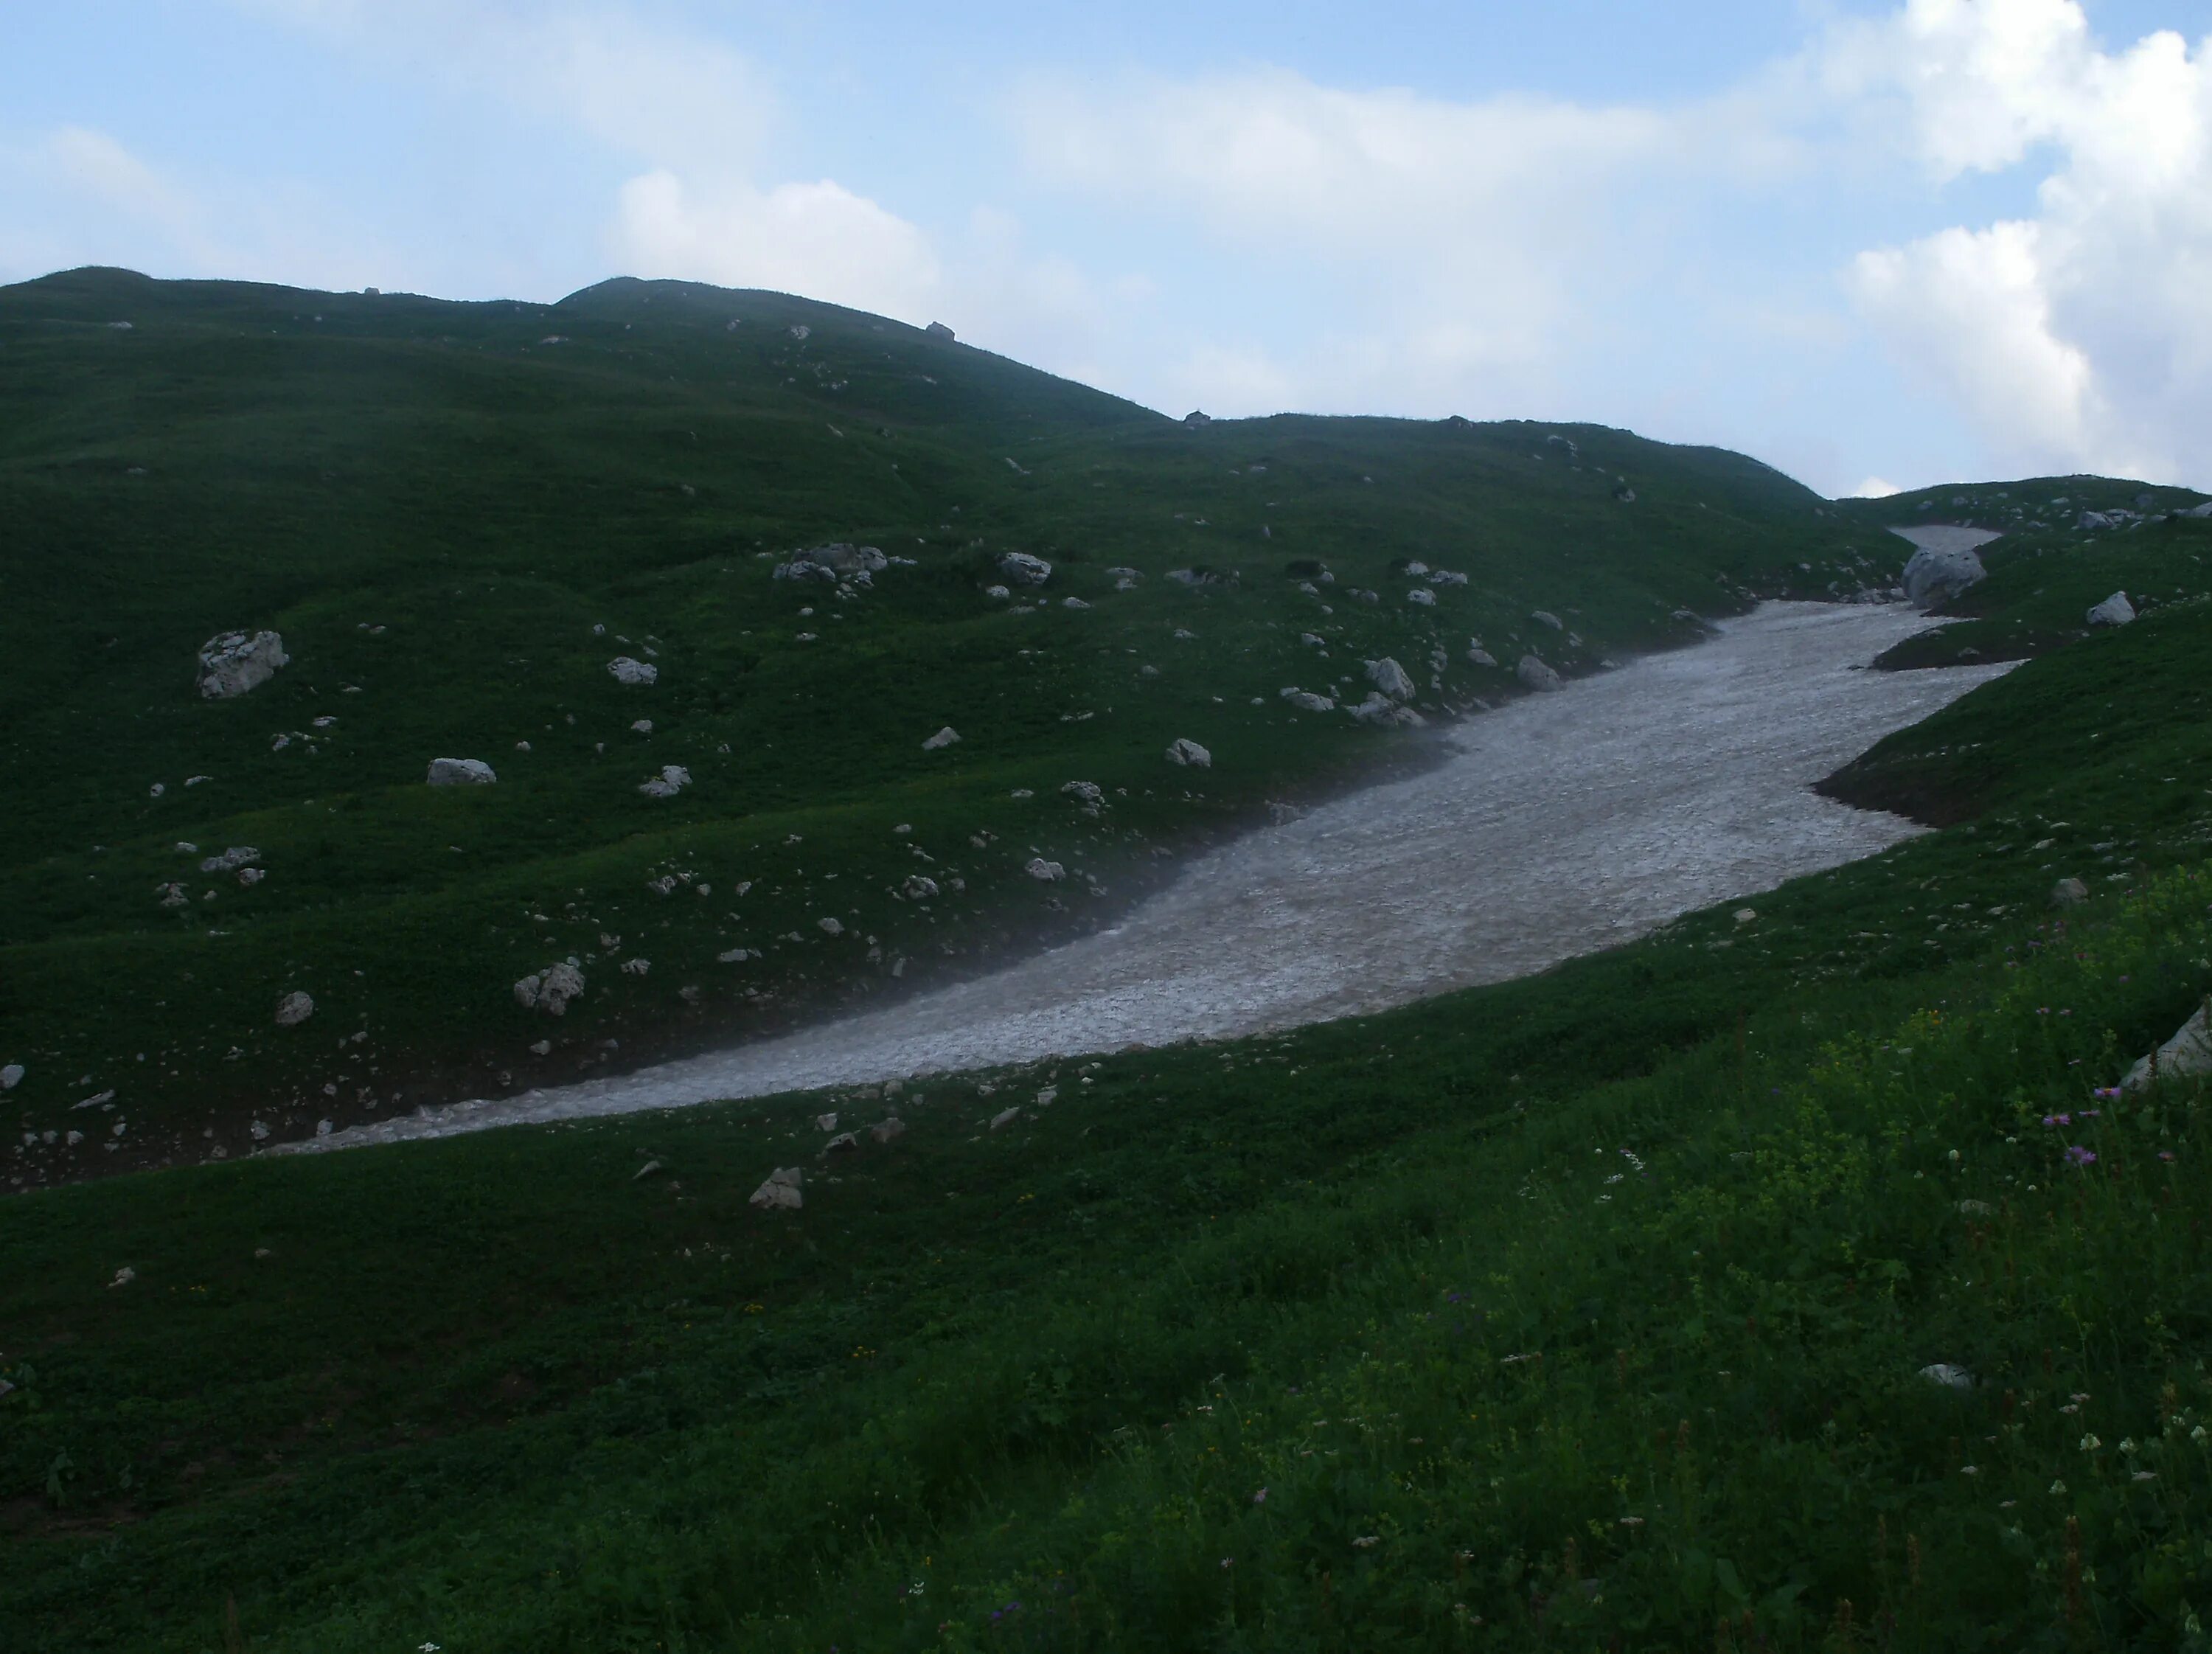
<point>436,508</point>
<point>1596,1301</point>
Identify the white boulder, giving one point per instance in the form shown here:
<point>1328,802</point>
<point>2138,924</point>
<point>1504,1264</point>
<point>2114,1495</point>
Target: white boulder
<point>239,856</point>
<point>672,779</point>
<point>623,670</point>
<point>460,772</point>
<point>2186,1055</point>
<point>1422,595</point>
<point>944,737</point>
<point>1183,751</point>
<point>235,662</point>
<point>1388,676</point>
<point>918,888</point>
<point>11,1077</point>
<point>2114,610</point>
<point>293,1009</point>
<point>781,1192</point>
<point>1045,872</point>
<point>1935,576</point>
<point>1022,569</point>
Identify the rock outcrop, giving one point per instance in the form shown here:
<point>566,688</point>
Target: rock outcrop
<point>624,670</point>
<point>944,737</point>
<point>237,662</point>
<point>293,1009</point>
<point>1184,752</point>
<point>1388,676</point>
<point>1044,872</point>
<point>781,1193</point>
<point>1022,569</point>
<point>550,990</point>
<point>1935,576</point>
<point>460,772</point>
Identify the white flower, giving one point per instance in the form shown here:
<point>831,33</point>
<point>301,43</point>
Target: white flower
<point>2144,1476</point>
<point>2057,1487</point>
<point>1370,1540</point>
<point>2090,1443</point>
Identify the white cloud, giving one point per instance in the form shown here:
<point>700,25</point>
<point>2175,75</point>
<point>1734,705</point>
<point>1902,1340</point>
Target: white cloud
<point>819,240</point>
<point>2081,337</point>
<point>1874,487</point>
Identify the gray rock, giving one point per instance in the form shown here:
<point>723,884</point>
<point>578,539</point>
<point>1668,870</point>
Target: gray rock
<point>236,662</point>
<point>1950,1378</point>
<point>293,1009</point>
<point>1381,710</point>
<point>918,888</point>
<point>11,1077</point>
<point>1423,596</point>
<point>1044,871</point>
<point>239,856</point>
<point>1546,618</point>
<point>1478,655</point>
<point>624,670</point>
<point>1934,577</point>
<point>1022,569</point>
<point>1003,1118</point>
<point>2185,1056</point>
<point>2090,521</point>
<point>940,331</point>
<point>830,927</point>
<point>460,772</point>
<point>944,737</point>
<point>844,1143</point>
<point>550,990</point>
<point>1536,675</point>
<point>2068,891</point>
<point>1184,752</point>
<point>996,593</point>
<point>1306,701</point>
<point>1073,603</point>
<point>2114,610</point>
<point>887,1131</point>
<point>1088,796</point>
<point>2203,510</point>
<point>781,1193</point>
<point>672,779</point>
<point>1388,676</point>
<point>837,561</point>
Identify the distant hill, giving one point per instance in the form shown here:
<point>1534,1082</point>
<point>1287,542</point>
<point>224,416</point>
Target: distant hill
<point>457,515</point>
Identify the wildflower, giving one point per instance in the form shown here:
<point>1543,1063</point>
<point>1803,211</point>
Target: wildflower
<point>2144,1476</point>
<point>1367,1542</point>
<point>2127,1444</point>
<point>2057,1119</point>
<point>1632,1521</point>
<point>2110,1093</point>
<point>1227,1561</point>
<point>2198,1435</point>
<point>2166,1154</point>
<point>2081,1157</point>
<point>1955,1157</point>
<point>1259,1498</point>
<point>2090,1443</point>
<point>2057,1487</point>
<point>1970,1469</point>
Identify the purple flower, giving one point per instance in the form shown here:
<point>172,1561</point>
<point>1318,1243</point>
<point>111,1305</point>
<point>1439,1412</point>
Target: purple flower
<point>2081,1157</point>
<point>2110,1093</point>
<point>2166,1154</point>
<point>2057,1119</point>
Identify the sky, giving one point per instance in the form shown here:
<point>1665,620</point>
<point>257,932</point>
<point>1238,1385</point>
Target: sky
<point>1875,245</point>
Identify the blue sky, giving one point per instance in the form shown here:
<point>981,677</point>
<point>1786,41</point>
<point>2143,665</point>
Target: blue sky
<point>1902,242</point>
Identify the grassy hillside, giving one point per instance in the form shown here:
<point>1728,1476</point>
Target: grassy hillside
<point>2049,569</point>
<point>457,516</point>
<point>1585,1311</point>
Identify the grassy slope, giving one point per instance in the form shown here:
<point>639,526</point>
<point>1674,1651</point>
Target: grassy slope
<point>437,507</point>
<point>1582,1312</point>
<point>2046,572</point>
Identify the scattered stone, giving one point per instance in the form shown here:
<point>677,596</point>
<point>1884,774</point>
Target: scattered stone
<point>1745,916</point>
<point>781,1192</point>
<point>249,876</point>
<point>1073,603</point>
<point>830,927</point>
<point>635,967</point>
<point>294,1008</point>
<point>126,1274</point>
<point>940,331</point>
<point>234,663</point>
<point>825,1123</point>
<point>918,888</point>
<point>2114,610</point>
<point>1546,618</point>
<point>1479,656</point>
<point>641,726</point>
<point>1088,796</point>
<point>885,1131</point>
<point>1005,1117</point>
<point>2185,1056</point>
<point>623,670</point>
<point>239,856</point>
<point>541,1048</point>
<point>550,989</point>
<point>944,737</point>
<point>1538,676</point>
<point>996,593</point>
<point>1388,676</point>
<point>1422,595</point>
<point>460,772</point>
<point>844,1143</point>
<point>1022,569</point>
<point>11,1077</point>
<point>645,1171</point>
<point>1379,709</point>
<point>2203,510</point>
<point>1184,752</point>
<point>672,779</point>
<point>1046,872</point>
<point>2068,891</point>
<point>1976,1209</point>
<point>1307,700</point>
<point>1950,1378</point>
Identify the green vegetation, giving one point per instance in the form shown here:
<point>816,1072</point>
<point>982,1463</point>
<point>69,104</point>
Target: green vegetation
<point>1585,1311</point>
<point>439,505</point>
